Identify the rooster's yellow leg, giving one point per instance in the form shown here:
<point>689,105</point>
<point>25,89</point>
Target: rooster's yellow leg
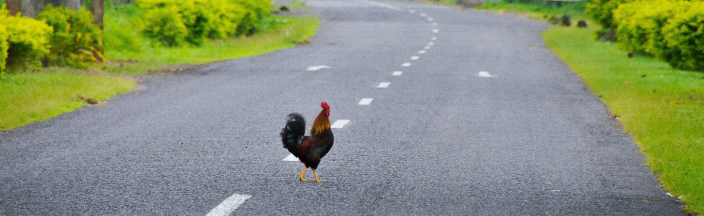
<point>304,172</point>
<point>316,176</point>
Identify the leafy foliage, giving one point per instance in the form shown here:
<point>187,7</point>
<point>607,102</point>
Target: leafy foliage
<point>27,41</point>
<point>215,19</point>
<point>166,25</point>
<point>601,11</point>
<point>684,34</point>
<point>75,36</point>
<point>672,31</point>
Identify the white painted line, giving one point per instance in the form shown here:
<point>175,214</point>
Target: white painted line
<point>229,205</point>
<point>383,85</point>
<point>431,43</point>
<point>381,5</point>
<point>318,67</point>
<point>435,24</point>
<point>340,123</point>
<point>412,11</point>
<point>290,157</point>
<point>366,101</point>
<point>421,52</point>
<point>435,30</point>
<point>430,19</point>
<point>484,74</point>
<point>433,38</point>
<point>414,57</point>
<point>407,64</point>
<point>423,14</point>
<point>427,47</point>
<point>397,73</point>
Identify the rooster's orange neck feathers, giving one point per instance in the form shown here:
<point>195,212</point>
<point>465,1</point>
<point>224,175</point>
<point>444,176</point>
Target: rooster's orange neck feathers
<point>320,124</point>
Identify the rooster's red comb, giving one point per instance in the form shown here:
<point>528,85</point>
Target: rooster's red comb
<point>325,105</point>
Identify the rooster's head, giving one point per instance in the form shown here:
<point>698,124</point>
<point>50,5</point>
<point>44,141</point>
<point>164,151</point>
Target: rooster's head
<point>325,107</point>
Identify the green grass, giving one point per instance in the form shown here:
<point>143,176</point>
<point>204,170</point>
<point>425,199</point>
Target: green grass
<point>135,53</point>
<point>37,96</point>
<point>539,8</point>
<point>662,108</point>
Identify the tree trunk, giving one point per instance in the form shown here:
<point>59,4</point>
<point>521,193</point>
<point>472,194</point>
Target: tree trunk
<point>97,7</point>
<point>72,4</point>
<point>14,6</point>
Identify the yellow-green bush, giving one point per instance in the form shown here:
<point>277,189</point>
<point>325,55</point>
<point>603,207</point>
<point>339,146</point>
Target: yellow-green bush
<point>640,24</point>
<point>75,36</point>
<point>684,35</point>
<point>670,30</point>
<point>3,40</point>
<point>166,25</point>
<point>601,11</point>
<point>202,19</point>
<point>27,41</point>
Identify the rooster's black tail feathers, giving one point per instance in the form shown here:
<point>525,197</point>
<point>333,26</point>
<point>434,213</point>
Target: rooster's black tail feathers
<point>292,134</point>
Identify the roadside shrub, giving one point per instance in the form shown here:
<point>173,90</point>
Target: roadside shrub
<point>3,40</point>
<point>27,41</point>
<point>203,19</point>
<point>640,24</point>
<point>75,37</point>
<point>166,25</point>
<point>601,11</point>
<point>684,37</point>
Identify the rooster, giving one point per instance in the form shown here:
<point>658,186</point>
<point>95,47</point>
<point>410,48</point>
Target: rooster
<point>308,149</point>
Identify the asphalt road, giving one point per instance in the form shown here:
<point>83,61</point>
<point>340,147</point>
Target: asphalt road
<point>486,121</point>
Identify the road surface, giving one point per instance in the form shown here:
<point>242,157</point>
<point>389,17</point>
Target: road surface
<point>464,112</point>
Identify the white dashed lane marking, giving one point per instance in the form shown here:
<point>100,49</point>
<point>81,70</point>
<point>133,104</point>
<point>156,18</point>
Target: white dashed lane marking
<point>290,157</point>
<point>366,101</point>
<point>427,47</point>
<point>340,123</point>
<point>318,67</point>
<point>484,74</point>
<point>383,85</point>
<point>423,15</point>
<point>433,38</point>
<point>229,205</point>
<point>421,52</point>
<point>436,30</point>
<point>407,64</point>
<point>397,73</point>
<point>414,57</point>
<point>431,43</point>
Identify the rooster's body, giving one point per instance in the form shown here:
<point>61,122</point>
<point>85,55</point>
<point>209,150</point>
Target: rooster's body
<point>308,149</point>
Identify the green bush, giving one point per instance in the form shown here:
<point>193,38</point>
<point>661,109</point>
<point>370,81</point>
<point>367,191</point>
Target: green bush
<point>166,25</point>
<point>601,11</point>
<point>203,19</point>
<point>684,37</point>
<point>27,41</point>
<point>75,36</point>
<point>3,40</point>
<point>640,24</point>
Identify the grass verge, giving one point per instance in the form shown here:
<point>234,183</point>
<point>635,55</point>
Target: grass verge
<point>539,8</point>
<point>36,96</point>
<point>662,108</point>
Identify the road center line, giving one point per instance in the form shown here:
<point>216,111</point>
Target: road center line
<point>366,101</point>
<point>383,85</point>
<point>229,205</point>
<point>318,67</point>
<point>290,157</point>
<point>340,123</point>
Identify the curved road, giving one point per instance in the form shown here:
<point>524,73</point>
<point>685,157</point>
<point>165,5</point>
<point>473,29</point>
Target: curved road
<point>469,114</point>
